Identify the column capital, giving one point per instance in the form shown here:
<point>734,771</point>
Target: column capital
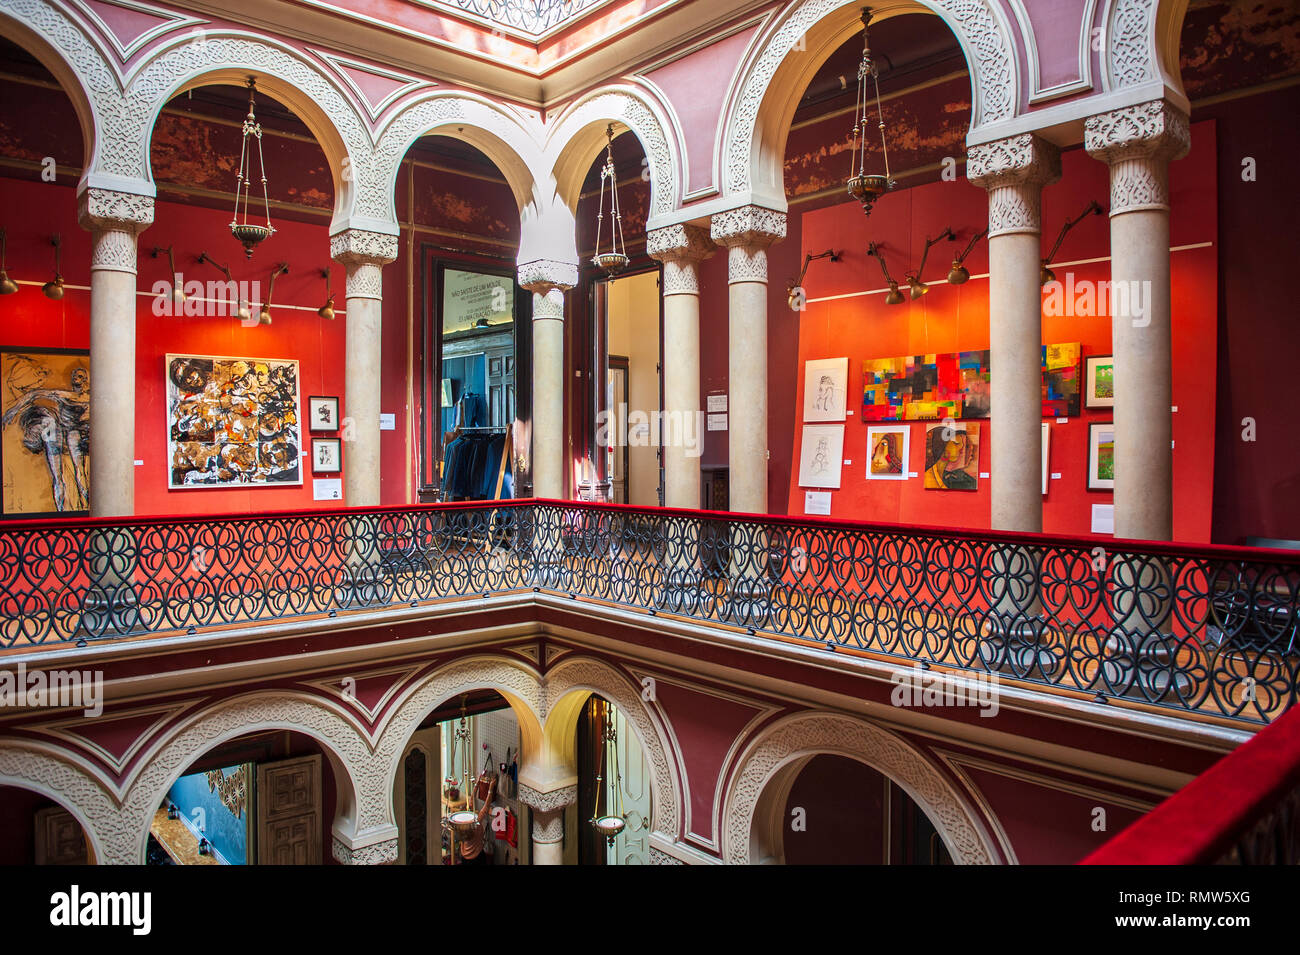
<point>543,275</point>
<point>365,254</point>
<point>750,226</point>
<point>680,248</point>
<point>553,800</point>
<point>1014,171</point>
<point>1138,142</point>
<point>114,219</point>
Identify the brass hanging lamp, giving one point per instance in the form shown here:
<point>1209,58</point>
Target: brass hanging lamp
<point>250,233</point>
<point>614,819</point>
<point>614,259</point>
<point>462,822</point>
<point>865,187</point>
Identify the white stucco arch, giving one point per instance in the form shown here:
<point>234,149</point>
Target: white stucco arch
<point>567,687</point>
<point>810,733</point>
<point>56,775</point>
<point>1141,45</point>
<point>758,121</point>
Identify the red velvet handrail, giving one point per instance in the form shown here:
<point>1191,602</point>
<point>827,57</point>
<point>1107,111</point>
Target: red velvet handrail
<point>1200,823</point>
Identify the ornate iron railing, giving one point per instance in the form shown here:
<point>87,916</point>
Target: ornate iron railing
<point>1206,629</point>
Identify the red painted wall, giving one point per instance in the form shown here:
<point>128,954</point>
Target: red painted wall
<point>955,318</point>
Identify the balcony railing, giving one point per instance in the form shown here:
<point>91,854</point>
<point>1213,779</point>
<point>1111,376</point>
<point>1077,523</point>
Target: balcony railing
<point>1205,629</point>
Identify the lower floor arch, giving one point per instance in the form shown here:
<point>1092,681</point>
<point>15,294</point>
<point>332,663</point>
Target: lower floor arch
<point>40,829</point>
<point>756,806</point>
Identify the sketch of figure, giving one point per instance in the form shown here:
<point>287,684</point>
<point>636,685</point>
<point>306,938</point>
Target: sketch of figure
<point>55,423</point>
<point>821,457</point>
<point>825,393</point>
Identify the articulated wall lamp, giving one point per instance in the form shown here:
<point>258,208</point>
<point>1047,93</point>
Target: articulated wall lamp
<point>863,187</point>
<point>54,288</point>
<point>178,293</point>
<point>327,310</point>
<point>243,311</point>
<point>959,274</point>
<point>895,297</point>
<point>794,288</point>
<point>7,285</point>
<point>1045,274</point>
<point>919,288</point>
<point>264,317</point>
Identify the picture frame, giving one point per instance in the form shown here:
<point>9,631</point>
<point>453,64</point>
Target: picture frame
<point>45,393</point>
<point>1101,456</point>
<point>825,389</point>
<point>821,456</point>
<point>322,413</point>
<point>1047,438</point>
<point>326,456</point>
<point>1099,381</point>
<point>888,452</point>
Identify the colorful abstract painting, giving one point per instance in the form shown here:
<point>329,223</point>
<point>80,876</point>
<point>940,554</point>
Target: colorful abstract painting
<point>1061,392</point>
<point>926,387</point>
<point>952,457</point>
<point>45,436</point>
<point>232,422</point>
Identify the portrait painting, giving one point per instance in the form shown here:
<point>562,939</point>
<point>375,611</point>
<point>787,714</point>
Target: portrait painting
<point>887,452</point>
<point>232,422</point>
<point>825,389</point>
<point>952,457</point>
<point>45,432</point>
<point>821,455</point>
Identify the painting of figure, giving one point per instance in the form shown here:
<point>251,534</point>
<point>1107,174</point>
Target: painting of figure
<point>952,455</point>
<point>45,436</point>
<point>232,422</point>
<point>825,389</point>
<point>887,453</point>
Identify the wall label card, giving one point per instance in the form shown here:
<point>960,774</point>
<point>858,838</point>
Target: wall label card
<point>387,422</point>
<point>717,402</point>
<point>717,422</point>
<point>327,489</point>
<point>817,502</point>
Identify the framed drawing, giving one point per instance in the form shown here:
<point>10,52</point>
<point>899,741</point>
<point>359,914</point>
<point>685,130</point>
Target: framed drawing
<point>326,456</point>
<point>825,389</point>
<point>1101,456</point>
<point>1047,437</point>
<point>1099,382</point>
<point>45,432</point>
<point>952,457</point>
<point>322,413</point>
<point>821,455</point>
<point>232,422</point>
<point>888,452</point>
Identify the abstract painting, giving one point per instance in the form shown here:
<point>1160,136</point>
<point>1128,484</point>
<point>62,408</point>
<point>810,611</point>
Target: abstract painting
<point>45,432</point>
<point>1101,456</point>
<point>821,454</point>
<point>926,387</point>
<point>952,457</point>
<point>888,452</point>
<point>1100,382</point>
<point>825,389</point>
<point>232,422</point>
<point>1061,381</point>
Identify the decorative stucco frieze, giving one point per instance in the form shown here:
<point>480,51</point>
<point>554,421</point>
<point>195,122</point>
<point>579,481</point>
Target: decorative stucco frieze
<point>550,801</point>
<point>747,231</point>
<point>377,853</point>
<point>1014,171</point>
<point>1138,142</point>
<point>548,827</point>
<point>543,275</point>
<point>680,248</point>
<point>365,254</point>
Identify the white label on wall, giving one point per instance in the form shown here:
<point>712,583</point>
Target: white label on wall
<point>1174,409</point>
<point>327,489</point>
<point>817,502</point>
<point>1056,475</point>
<point>984,475</point>
<point>1062,420</point>
<point>717,402</point>
<point>139,464</point>
<point>717,422</point>
<point>912,474</point>
<point>848,462</point>
<point>1103,518</point>
<point>387,422</point>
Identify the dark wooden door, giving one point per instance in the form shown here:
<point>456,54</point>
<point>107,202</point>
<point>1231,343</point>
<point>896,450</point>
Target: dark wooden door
<point>289,812</point>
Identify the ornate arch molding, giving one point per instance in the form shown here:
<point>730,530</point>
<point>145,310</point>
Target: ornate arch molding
<point>230,56</point>
<point>820,732</point>
<point>980,27</point>
<point>512,147</point>
<point>67,50</point>
<point>1142,39</point>
<point>585,674</point>
<point>359,792</point>
<point>579,135</point>
<point>76,789</point>
<point>518,683</point>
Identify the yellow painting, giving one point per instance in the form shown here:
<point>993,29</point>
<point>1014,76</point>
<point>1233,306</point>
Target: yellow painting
<point>45,432</point>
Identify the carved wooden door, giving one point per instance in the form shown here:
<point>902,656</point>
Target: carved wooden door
<point>60,839</point>
<point>289,812</point>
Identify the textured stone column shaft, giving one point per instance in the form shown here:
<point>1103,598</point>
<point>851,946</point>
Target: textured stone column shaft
<point>548,394</point>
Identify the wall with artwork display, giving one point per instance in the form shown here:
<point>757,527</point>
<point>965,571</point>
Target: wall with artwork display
<point>912,366</point>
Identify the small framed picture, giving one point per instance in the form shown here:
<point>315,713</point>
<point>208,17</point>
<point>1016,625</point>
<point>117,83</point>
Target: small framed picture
<point>323,413</point>
<point>1101,456</point>
<point>326,456</point>
<point>1047,438</point>
<point>1099,382</point>
<point>888,452</point>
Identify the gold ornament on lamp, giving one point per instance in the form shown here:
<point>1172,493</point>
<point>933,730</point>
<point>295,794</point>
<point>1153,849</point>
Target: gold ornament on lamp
<point>863,186</point>
<point>248,233</point>
<point>614,259</point>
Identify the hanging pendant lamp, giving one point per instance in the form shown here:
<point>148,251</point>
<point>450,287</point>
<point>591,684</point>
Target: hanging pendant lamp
<point>613,259</point>
<point>462,822</point>
<point>250,234</point>
<point>614,820</point>
<point>863,186</point>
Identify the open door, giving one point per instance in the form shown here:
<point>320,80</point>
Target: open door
<point>289,812</point>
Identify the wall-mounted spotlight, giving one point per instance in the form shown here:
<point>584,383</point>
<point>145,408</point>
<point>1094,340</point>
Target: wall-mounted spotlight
<point>794,288</point>
<point>178,293</point>
<point>54,288</point>
<point>264,317</point>
<point>959,274</point>
<point>242,310</point>
<point>327,310</point>
<point>895,297</point>
<point>7,285</point>
<point>914,283</point>
<point>1045,274</point>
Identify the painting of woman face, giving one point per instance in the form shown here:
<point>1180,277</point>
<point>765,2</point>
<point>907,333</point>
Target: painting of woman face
<point>952,457</point>
<point>887,452</point>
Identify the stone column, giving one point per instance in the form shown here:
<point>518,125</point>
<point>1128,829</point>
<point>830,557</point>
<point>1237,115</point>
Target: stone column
<point>747,232</point>
<point>548,821</point>
<point>548,280</point>
<point>1014,171</point>
<point>114,220</point>
<point>364,254</point>
<point>1138,142</point>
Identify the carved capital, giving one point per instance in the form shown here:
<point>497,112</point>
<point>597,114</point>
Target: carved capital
<point>542,275</point>
<point>114,220</point>
<point>364,254</point>
<point>548,827</point>
<point>751,226</point>
<point>680,248</point>
<point>1138,142</point>
<point>377,853</point>
<point>551,801</point>
<point>1014,171</point>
